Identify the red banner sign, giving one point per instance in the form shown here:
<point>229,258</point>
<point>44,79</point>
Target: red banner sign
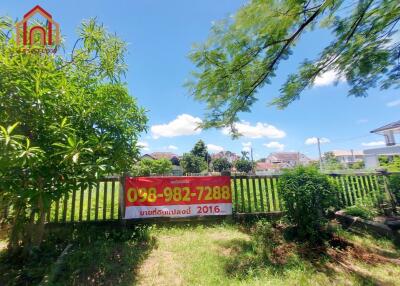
<point>177,196</point>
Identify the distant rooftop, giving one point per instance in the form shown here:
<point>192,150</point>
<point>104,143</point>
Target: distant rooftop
<point>161,155</point>
<point>347,153</point>
<point>394,126</point>
<point>287,156</point>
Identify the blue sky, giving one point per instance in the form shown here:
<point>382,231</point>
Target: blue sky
<point>160,34</point>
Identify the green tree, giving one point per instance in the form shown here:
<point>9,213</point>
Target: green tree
<point>221,164</point>
<point>243,165</point>
<point>192,164</point>
<point>147,167</point>
<point>200,150</point>
<point>243,52</point>
<point>76,122</point>
<point>330,162</point>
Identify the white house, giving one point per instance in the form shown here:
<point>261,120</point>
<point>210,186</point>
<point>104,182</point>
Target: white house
<point>348,157</point>
<point>389,132</point>
<point>282,160</point>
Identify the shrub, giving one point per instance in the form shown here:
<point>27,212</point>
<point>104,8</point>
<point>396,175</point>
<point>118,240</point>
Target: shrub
<point>364,208</point>
<point>308,197</point>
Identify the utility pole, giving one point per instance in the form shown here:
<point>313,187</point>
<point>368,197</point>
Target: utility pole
<point>252,161</point>
<point>319,151</point>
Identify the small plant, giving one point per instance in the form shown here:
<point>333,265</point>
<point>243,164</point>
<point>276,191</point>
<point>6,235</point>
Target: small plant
<point>364,208</point>
<point>308,196</point>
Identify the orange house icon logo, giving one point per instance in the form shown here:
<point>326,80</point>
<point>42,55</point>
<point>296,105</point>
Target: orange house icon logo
<point>31,34</point>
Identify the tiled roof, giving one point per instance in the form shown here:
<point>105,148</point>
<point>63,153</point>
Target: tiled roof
<point>264,166</point>
<point>162,155</point>
<point>288,156</point>
<point>225,154</point>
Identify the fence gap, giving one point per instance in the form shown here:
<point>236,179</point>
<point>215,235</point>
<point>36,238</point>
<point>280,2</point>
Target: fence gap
<point>256,207</point>
<point>261,193</point>
<point>236,194</point>
<point>96,209</point>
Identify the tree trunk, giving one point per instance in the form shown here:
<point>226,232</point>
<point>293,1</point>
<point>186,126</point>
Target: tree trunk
<point>16,228</point>
<point>38,230</point>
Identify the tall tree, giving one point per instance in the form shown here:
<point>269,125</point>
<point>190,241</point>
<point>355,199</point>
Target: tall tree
<point>243,52</point>
<point>70,117</point>
<point>200,150</point>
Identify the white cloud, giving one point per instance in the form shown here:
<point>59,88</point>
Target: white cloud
<point>314,140</point>
<point>328,78</point>
<point>393,103</point>
<point>143,145</point>
<point>246,146</point>
<point>256,131</point>
<point>275,145</point>
<point>373,143</point>
<point>183,124</point>
<point>172,147</point>
<point>215,148</point>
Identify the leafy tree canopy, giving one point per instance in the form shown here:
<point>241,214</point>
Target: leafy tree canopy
<point>192,164</point>
<point>200,150</point>
<point>243,165</point>
<point>221,164</point>
<point>243,52</point>
<point>67,118</point>
<point>147,167</point>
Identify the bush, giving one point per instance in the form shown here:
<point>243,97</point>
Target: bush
<point>308,197</point>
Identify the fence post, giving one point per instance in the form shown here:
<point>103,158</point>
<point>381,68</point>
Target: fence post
<point>228,174</point>
<point>121,200</point>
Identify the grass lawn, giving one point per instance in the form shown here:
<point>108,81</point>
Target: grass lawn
<point>225,255</point>
<point>213,254</point>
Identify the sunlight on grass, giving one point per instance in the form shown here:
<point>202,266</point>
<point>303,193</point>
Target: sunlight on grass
<point>223,255</point>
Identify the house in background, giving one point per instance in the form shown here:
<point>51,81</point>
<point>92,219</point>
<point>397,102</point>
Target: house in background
<point>282,160</point>
<point>389,132</point>
<point>176,168</point>
<point>264,168</point>
<point>348,157</point>
<point>230,156</point>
